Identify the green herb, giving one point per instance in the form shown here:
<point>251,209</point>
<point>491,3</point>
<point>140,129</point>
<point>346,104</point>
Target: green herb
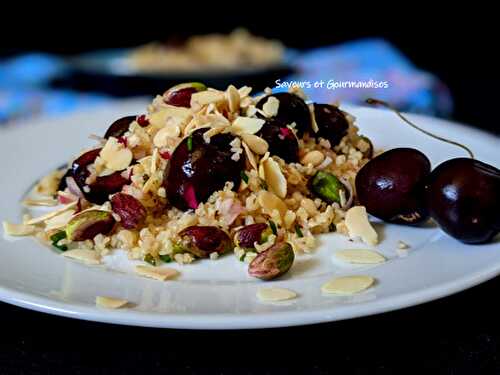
<point>190,143</point>
<point>56,237</point>
<point>244,177</point>
<point>150,259</point>
<point>166,258</point>
<point>273,227</point>
<point>242,257</point>
<point>298,231</point>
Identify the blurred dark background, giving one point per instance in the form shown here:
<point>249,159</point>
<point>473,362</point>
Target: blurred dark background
<point>455,44</point>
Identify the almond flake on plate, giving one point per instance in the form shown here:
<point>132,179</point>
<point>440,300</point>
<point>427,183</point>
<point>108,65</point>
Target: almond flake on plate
<point>109,302</point>
<point>52,214</point>
<point>356,221</point>
<point>44,202</point>
<point>83,255</point>
<point>157,273</point>
<point>270,202</point>
<point>346,285</point>
<point>360,256</point>
<point>250,156</point>
<point>18,229</point>
<point>59,221</point>
<point>233,98</point>
<point>275,294</point>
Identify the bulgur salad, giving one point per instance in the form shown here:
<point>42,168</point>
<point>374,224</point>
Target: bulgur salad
<point>206,172</point>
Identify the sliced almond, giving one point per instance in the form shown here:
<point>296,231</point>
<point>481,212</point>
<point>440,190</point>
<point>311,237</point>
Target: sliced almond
<point>246,125</point>
<point>314,124</point>
<point>83,255</point>
<point>244,91</point>
<point>275,294</point>
<point>115,156</point>
<point>314,158</point>
<point>356,221</point>
<point>233,98</point>
<point>45,202</point>
<point>159,118</point>
<point>271,107</point>
<point>109,302</point>
<point>360,256</point>
<point>274,177</point>
<point>161,138</point>
<point>59,221</point>
<point>256,144</point>
<point>18,229</point>
<point>250,156</point>
<point>206,97</point>
<point>157,273</point>
<point>269,202</point>
<point>52,214</point>
<point>347,285</point>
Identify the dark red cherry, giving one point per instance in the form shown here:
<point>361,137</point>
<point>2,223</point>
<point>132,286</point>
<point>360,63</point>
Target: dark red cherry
<point>463,196</point>
<point>281,139</point>
<point>391,186</point>
<point>119,127</point>
<point>292,108</point>
<point>98,192</point>
<point>332,123</point>
<point>197,169</point>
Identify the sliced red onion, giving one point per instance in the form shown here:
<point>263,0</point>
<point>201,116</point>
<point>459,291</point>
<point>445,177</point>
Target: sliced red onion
<point>73,187</point>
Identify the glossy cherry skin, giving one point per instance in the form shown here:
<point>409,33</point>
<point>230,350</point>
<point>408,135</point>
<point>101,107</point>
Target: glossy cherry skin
<point>102,187</point>
<point>119,127</point>
<point>463,196</point>
<point>281,140</point>
<point>292,108</point>
<point>332,123</point>
<point>197,169</point>
<point>392,186</point>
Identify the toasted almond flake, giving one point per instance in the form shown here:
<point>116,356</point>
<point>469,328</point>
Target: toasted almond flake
<point>244,91</point>
<point>250,156</point>
<point>313,157</point>
<point>271,107</point>
<point>246,125</point>
<point>109,302</point>
<point>206,97</point>
<point>275,178</point>
<point>157,273</point>
<point>360,256</point>
<point>159,119</point>
<point>59,221</point>
<point>161,139</point>
<point>233,98</point>
<point>356,221</point>
<point>18,229</point>
<point>154,161</point>
<point>52,214</point>
<point>275,294</point>
<point>45,202</point>
<point>347,285</point>
<point>314,124</point>
<point>270,202</point>
<point>83,255</point>
<point>115,156</point>
<point>256,144</point>
<point>262,173</point>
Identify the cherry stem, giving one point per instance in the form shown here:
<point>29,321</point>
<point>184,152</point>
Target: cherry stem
<point>373,101</point>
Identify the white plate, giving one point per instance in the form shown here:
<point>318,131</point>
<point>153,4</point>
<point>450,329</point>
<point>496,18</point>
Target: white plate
<point>219,294</point>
